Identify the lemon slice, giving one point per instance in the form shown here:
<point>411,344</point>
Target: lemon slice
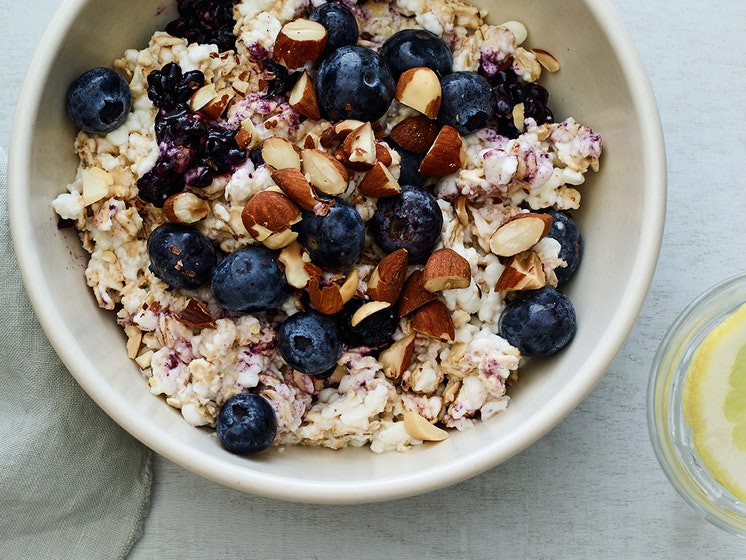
<point>714,402</point>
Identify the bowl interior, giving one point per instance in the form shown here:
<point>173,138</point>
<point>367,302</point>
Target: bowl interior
<point>601,84</point>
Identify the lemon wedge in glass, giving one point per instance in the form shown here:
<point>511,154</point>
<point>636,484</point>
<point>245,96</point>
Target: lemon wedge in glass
<point>714,402</point>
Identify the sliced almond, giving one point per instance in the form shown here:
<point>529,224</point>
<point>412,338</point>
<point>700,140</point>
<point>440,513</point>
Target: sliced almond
<point>419,88</point>
<point>519,116</point>
<point>145,359</point>
<point>269,212</point>
<point>463,216</point>
<point>379,182</point>
<point>280,153</point>
<point>210,102</point>
<point>413,294</point>
<point>434,319</point>
<point>446,270</point>
<point>358,150</point>
<point>518,30</point>
<point>366,310</point>
<point>547,60</point>
<point>418,427</point>
<point>97,184</point>
<point>248,136</point>
<point>524,271</point>
<point>519,234</point>
<point>397,357</point>
<point>280,239</point>
<point>196,315</point>
<point>303,98</point>
<point>134,340</point>
<point>387,279</point>
<point>291,258</point>
<point>349,288</point>
<point>326,299</point>
<point>383,154</point>
<point>299,42</point>
<point>324,172</point>
<point>415,134</point>
<point>311,141</point>
<point>186,208</point>
<point>297,188</point>
<point>445,156</point>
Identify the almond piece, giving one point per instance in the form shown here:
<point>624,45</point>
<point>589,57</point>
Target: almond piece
<point>519,234</point>
<point>518,30</point>
<point>387,279</point>
<point>415,134</point>
<point>418,427</point>
<point>383,154</point>
<point>96,184</point>
<point>297,188</point>
<point>419,88</point>
<point>397,357</point>
<point>324,172</point>
<point>280,239</point>
<point>366,310</point>
<point>524,271</point>
<point>291,258</point>
<point>434,319</point>
<point>185,208</point>
<point>445,156</point>
<point>413,294</point>
<point>210,102</point>
<point>280,153</point>
<point>379,182</point>
<point>196,315</point>
<point>248,136</point>
<point>446,270</point>
<point>519,116</point>
<point>326,300</point>
<point>299,42</point>
<point>358,150</point>
<point>350,286</point>
<point>339,131</point>
<point>269,212</point>
<point>547,60</point>
<point>303,98</point>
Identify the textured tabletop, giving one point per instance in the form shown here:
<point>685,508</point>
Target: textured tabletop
<point>592,487</point>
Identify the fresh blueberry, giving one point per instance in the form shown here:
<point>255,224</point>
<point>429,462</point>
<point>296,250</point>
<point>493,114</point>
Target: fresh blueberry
<point>334,240</point>
<point>309,342</point>
<point>539,322</point>
<point>341,26</point>
<point>567,233</point>
<point>256,157</point>
<point>354,83</point>
<point>181,256</point>
<point>468,101</point>
<point>409,166</point>
<point>99,101</point>
<point>169,87</point>
<point>249,280</point>
<point>246,424</point>
<point>373,331</point>
<point>411,220</point>
<point>206,22</point>
<point>412,48</point>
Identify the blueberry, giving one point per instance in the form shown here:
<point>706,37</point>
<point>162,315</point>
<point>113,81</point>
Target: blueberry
<point>567,233</point>
<point>309,342</point>
<point>412,48</point>
<point>181,256</point>
<point>409,166</point>
<point>99,101</point>
<point>169,87</point>
<point>468,101</point>
<point>249,280</point>
<point>354,83</point>
<point>281,82</point>
<point>246,424</point>
<point>341,26</point>
<point>206,22</point>
<point>334,240</point>
<point>373,331</point>
<point>539,322</point>
<point>411,220</point>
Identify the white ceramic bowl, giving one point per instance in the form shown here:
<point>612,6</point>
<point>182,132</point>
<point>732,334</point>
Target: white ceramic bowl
<point>602,83</point>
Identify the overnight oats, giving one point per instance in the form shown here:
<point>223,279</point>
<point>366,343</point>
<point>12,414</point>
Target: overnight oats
<point>330,224</point>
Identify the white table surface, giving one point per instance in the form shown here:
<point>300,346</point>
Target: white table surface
<point>592,487</point>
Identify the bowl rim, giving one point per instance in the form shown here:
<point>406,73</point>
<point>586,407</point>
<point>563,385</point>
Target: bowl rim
<point>394,487</point>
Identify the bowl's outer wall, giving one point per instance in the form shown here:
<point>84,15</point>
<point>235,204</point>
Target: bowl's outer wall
<point>621,218</point>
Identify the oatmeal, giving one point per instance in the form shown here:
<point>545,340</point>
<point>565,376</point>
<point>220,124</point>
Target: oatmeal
<point>346,221</point>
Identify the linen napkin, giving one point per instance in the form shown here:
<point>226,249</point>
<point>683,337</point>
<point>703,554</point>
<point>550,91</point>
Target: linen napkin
<point>73,484</point>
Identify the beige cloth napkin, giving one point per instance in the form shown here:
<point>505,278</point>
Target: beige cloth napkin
<point>73,484</point>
